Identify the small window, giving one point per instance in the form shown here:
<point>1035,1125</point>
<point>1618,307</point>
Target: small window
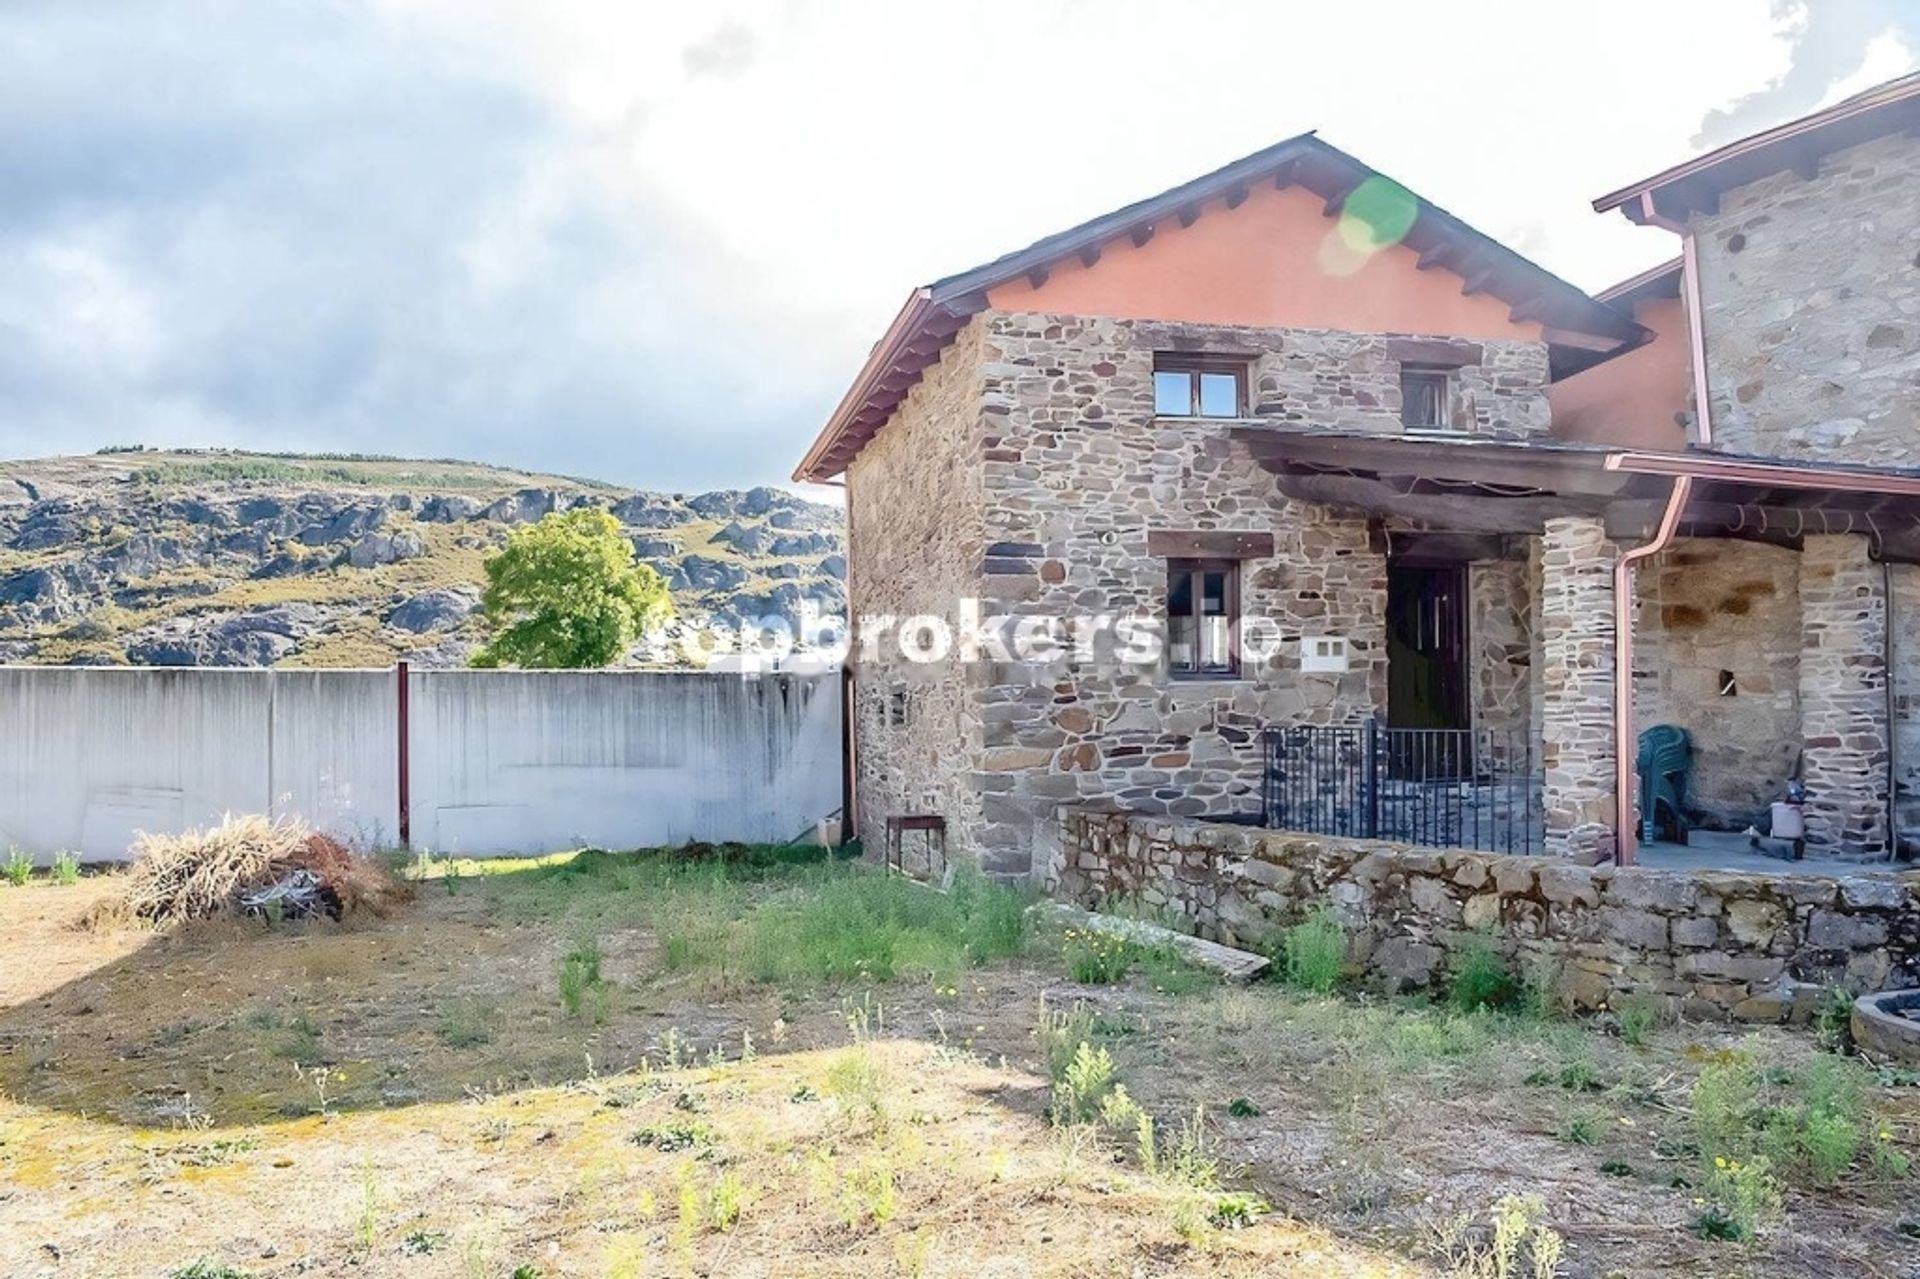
<point>1199,386</point>
<point>1203,615</point>
<point>897,708</point>
<point>1423,399</point>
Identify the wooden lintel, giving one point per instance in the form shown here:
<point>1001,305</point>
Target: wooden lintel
<point>1141,234</point>
<point>1442,353</point>
<point>1446,547</point>
<point>1208,544</point>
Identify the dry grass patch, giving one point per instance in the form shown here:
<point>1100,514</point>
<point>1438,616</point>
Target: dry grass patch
<point>809,1069</point>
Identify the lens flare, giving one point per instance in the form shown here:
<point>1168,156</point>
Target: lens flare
<point>1379,212</point>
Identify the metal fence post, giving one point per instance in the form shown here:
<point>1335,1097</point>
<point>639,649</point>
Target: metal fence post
<point>1370,778</point>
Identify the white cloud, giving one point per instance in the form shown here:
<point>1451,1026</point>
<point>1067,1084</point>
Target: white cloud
<point>654,242</point>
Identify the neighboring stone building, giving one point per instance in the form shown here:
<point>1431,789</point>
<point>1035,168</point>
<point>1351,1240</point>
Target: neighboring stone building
<point>1288,447</point>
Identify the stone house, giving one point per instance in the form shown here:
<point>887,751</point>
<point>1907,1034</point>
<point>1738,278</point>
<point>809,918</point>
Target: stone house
<point>1448,490</point>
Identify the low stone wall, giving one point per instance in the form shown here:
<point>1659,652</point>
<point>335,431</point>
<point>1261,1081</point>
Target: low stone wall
<point>1718,944</point>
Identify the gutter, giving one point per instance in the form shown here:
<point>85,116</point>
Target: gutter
<point>1626,832</point>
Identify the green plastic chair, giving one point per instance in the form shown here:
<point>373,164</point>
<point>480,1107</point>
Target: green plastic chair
<point>1666,757</point>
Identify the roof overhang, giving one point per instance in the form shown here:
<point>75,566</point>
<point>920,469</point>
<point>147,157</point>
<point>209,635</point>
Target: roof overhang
<point>934,314</point>
<point>1482,486</point>
<point>1668,197</point>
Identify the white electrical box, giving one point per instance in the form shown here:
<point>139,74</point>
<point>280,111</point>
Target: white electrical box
<point>1323,654</point>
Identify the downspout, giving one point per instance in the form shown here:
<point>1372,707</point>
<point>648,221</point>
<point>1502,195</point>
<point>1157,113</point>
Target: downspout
<point>1626,832</point>
<point>1626,829</point>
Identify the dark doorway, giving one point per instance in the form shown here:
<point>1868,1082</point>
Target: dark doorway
<point>1427,647</point>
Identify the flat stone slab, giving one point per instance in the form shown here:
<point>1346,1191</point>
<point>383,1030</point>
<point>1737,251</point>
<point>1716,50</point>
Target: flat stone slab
<point>1232,965</point>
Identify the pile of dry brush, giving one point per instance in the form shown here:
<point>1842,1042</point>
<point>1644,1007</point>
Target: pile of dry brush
<point>203,873</point>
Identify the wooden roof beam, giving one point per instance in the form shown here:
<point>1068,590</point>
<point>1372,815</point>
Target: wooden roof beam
<point>1141,234</point>
<point>1478,280</point>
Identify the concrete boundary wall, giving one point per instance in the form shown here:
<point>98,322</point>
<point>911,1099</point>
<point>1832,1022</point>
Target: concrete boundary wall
<point>499,762</point>
<point>1714,944</point>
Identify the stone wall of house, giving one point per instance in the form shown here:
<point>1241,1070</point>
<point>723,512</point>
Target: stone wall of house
<point>1501,631</point>
<point>1716,944</point>
<point>1706,609</point>
<point>1028,470</point>
<point>1079,473</point>
<point>1843,695</point>
<point>1811,302</point>
<point>915,541</point>
<point>1576,713</point>
<point>1341,381</point>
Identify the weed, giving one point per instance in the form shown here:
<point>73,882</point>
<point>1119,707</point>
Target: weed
<point>582,989</point>
<point>19,867</point>
<point>1315,951</point>
<point>206,1269</point>
<point>1515,1243</point>
<point>1236,1210</point>
<point>1617,1168</point>
<point>675,1136</point>
<point>1635,1018</point>
<point>1096,958</point>
<point>1483,979</point>
<point>422,1243</point>
<point>299,1041</point>
<point>1833,1022</point>
<point>1186,1160</point>
<point>367,1228</point>
<point>1241,1108</point>
<point>1580,1130</point>
<point>66,868</point>
<point>466,1023</point>
<point>1082,1085</point>
<point>1739,1201</point>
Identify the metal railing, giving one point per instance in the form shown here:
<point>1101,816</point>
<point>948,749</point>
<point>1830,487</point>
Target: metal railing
<point>1443,788</point>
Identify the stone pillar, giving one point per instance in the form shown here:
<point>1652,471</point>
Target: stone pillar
<point>1843,695</point>
<point>1576,688</point>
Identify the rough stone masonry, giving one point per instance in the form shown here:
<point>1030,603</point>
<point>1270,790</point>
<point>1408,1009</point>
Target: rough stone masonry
<point>1717,944</point>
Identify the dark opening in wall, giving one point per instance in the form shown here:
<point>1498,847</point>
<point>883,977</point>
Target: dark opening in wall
<point>1728,686</point>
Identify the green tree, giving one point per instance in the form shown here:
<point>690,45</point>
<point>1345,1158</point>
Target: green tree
<point>566,593</point>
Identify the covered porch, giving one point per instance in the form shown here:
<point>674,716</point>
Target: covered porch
<point>1768,626</point>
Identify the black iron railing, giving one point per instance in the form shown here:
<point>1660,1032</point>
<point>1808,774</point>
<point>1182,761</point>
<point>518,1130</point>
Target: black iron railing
<point>1444,788</point>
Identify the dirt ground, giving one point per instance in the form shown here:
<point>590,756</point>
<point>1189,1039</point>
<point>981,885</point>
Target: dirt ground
<point>409,1097</point>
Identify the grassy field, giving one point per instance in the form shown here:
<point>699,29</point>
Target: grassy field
<point>621,1065</point>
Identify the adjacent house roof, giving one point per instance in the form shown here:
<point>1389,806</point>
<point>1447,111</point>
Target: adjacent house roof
<point>1672,194</point>
<point>934,313</point>
<point>1661,281</point>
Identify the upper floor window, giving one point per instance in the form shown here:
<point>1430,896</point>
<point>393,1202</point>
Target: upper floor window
<point>1424,399</point>
<point>1199,386</point>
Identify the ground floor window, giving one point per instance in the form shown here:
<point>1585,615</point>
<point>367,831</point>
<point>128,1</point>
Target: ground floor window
<point>1203,611</point>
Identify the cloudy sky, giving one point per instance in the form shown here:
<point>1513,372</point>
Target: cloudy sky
<point>652,242</point>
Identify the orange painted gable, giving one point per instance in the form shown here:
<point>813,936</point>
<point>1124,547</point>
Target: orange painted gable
<point>1275,261</point>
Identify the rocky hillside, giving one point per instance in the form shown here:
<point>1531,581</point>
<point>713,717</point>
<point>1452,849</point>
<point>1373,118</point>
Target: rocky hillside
<point>218,558</point>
